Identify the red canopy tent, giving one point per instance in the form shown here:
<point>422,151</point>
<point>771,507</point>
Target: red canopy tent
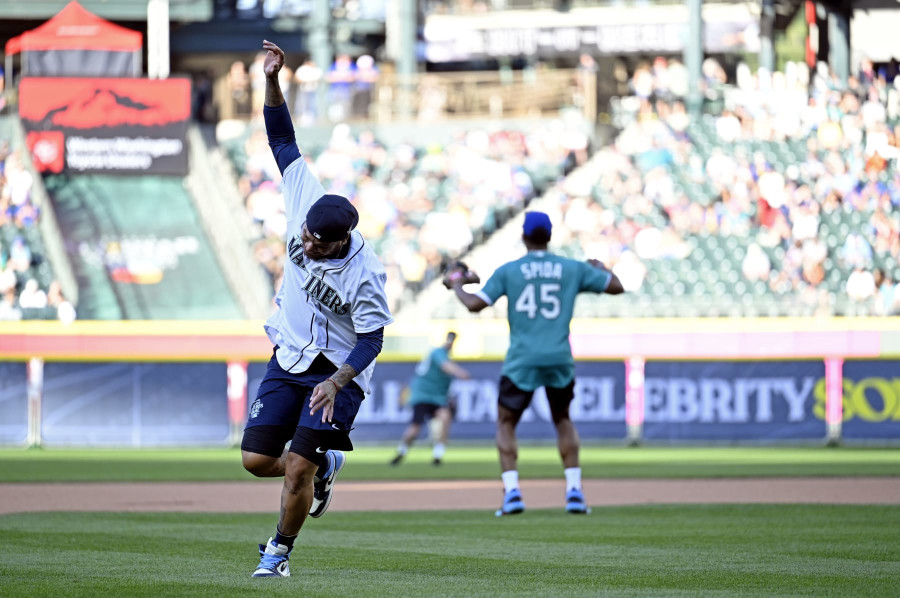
<point>77,43</point>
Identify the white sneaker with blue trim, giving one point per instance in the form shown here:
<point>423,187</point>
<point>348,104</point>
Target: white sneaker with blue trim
<point>273,561</point>
<point>323,490</point>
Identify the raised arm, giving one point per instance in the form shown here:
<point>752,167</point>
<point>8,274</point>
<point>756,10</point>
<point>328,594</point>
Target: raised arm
<point>615,285</point>
<point>452,369</point>
<point>459,274</point>
<point>473,303</point>
<point>279,127</point>
<point>271,67</point>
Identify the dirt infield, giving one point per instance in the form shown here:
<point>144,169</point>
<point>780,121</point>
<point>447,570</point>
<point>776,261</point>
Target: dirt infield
<point>263,497</point>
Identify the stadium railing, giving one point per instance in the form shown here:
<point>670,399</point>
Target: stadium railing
<point>669,374</point>
<point>438,97</point>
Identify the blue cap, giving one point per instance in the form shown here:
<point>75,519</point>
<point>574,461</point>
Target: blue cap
<point>331,218</point>
<point>535,221</point>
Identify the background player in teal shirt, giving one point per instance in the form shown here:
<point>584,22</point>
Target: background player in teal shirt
<point>541,288</point>
<point>428,398</point>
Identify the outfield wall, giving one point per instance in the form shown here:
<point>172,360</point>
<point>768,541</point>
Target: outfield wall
<point>181,384</point>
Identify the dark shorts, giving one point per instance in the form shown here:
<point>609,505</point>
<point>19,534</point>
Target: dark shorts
<point>424,411</point>
<point>281,411</point>
<point>515,399</point>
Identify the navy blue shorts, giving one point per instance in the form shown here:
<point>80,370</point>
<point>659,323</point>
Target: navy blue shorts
<point>283,403</point>
<point>424,411</point>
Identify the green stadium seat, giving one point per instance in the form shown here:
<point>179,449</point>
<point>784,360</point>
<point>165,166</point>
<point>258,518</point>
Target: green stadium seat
<point>120,208</point>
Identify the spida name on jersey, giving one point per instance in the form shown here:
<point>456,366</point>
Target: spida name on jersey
<point>324,294</point>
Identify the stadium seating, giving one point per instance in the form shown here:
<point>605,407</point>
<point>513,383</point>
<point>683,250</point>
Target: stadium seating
<point>420,205</point>
<point>725,214</point>
<point>138,249</point>
<point>28,290</point>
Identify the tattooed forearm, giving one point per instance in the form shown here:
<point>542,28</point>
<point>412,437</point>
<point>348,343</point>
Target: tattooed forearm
<point>274,97</point>
<point>344,375</point>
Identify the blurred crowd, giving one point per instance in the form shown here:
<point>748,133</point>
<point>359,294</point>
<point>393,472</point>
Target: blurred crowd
<point>21,294</point>
<point>420,205</point>
<point>348,85</point>
<point>802,175</point>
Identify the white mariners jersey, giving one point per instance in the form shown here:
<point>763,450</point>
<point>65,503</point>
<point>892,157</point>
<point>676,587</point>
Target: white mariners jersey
<point>323,303</point>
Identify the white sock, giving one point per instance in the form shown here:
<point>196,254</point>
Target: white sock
<point>573,478</point>
<point>402,449</point>
<point>438,451</point>
<point>510,479</point>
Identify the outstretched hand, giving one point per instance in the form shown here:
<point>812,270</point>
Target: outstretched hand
<point>459,271</point>
<point>323,396</point>
<point>274,59</point>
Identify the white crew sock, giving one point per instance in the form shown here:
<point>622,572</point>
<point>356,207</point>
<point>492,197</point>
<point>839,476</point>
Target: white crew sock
<point>573,478</point>
<point>438,451</point>
<point>510,480</point>
<point>402,449</point>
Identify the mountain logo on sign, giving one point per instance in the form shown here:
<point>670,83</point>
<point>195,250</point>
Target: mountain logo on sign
<point>106,108</point>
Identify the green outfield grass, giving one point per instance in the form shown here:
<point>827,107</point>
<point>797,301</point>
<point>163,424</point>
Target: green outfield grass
<point>783,550</point>
<point>371,463</point>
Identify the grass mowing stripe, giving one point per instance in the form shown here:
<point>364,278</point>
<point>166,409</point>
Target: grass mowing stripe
<point>464,462</point>
<point>671,550</point>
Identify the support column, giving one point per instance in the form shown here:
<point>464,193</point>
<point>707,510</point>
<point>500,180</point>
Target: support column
<point>407,64</point>
<point>35,376</point>
<point>834,399</point>
<point>767,36</point>
<point>321,52</point>
<point>812,37</point>
<point>157,40</point>
<point>237,400</point>
<point>634,400</point>
<point>839,44</point>
<point>693,55</point>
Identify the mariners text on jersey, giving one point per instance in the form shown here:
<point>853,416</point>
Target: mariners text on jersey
<point>324,294</point>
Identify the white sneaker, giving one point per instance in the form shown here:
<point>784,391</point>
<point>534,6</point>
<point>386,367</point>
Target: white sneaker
<point>273,560</point>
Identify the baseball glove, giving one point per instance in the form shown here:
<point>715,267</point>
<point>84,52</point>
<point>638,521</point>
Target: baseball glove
<point>457,270</point>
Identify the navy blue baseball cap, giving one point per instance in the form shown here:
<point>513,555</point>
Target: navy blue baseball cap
<point>331,218</point>
<point>535,221</point>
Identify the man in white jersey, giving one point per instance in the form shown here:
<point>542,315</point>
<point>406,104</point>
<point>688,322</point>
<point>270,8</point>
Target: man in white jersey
<point>327,332</point>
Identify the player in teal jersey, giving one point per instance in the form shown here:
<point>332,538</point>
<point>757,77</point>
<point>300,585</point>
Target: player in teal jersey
<point>541,288</point>
<point>428,398</point>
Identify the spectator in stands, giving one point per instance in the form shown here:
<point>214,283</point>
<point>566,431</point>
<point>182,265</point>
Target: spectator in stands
<point>630,271</point>
<point>728,127</point>
<point>32,297</point>
<point>366,77</point>
<point>756,264</point>
<point>421,206</point>
<point>202,106</point>
<point>860,285</point>
<point>763,192</point>
<point>8,279</point>
<point>18,218</point>
<point>19,255</point>
<point>856,251</point>
<point>307,78</point>
<point>678,79</point>
<point>9,309</point>
<point>286,83</point>
<point>239,85</point>
<point>257,84</point>
<point>432,100</point>
<point>65,311</point>
<point>341,77</point>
